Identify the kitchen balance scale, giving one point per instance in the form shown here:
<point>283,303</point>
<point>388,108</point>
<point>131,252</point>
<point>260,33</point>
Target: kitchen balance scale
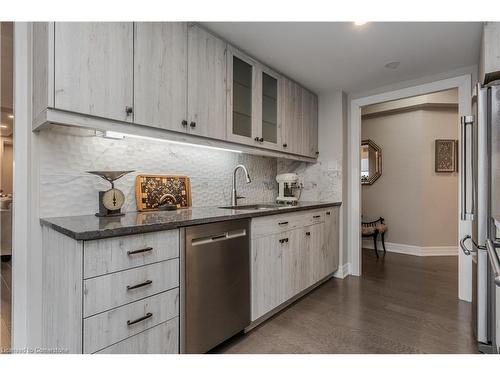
<point>110,201</point>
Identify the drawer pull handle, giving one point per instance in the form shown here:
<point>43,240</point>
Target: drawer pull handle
<point>283,240</point>
<point>147,282</point>
<point>328,213</point>
<point>147,316</point>
<point>316,216</point>
<point>140,251</point>
<point>283,223</point>
<point>308,233</point>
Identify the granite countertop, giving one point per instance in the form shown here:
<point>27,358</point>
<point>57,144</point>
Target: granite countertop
<point>90,227</point>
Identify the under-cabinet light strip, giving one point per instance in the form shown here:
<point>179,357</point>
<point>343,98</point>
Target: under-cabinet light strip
<point>117,135</point>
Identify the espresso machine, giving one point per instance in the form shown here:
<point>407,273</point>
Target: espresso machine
<point>289,188</point>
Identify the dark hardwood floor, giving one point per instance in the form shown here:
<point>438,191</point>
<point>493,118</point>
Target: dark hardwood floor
<point>5,305</point>
<point>401,304</point>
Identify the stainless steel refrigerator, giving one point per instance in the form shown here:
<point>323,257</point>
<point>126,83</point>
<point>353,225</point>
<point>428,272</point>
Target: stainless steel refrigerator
<point>480,150</point>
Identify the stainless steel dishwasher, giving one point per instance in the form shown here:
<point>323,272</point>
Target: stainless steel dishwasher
<point>217,283</point>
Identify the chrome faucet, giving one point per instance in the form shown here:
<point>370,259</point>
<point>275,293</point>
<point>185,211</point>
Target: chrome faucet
<point>234,195</point>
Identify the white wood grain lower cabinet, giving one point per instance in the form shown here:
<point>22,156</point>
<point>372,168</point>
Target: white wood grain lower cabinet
<point>115,289</point>
<point>102,330</point>
<point>161,339</point>
<point>317,245</point>
<point>293,273</point>
<point>61,292</point>
<point>107,313</point>
<point>120,253</point>
<point>332,238</point>
<point>267,274</point>
<point>286,263</point>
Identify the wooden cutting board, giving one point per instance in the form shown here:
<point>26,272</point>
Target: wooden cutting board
<point>153,190</point>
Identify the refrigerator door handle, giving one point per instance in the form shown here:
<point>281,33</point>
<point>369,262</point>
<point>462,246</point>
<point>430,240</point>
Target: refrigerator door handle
<point>464,247</point>
<point>464,214</point>
<point>494,261</point>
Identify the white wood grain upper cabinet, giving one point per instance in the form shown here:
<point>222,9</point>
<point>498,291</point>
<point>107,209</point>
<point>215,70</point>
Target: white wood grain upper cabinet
<point>292,117</point>
<point>94,68</point>
<point>309,124</point>
<point>242,98</point>
<point>206,84</point>
<point>160,75</point>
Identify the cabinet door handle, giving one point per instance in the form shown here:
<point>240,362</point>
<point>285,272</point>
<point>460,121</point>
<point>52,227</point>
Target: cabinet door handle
<point>308,233</point>
<point>261,139</point>
<point>283,223</point>
<point>147,316</point>
<point>192,124</point>
<point>145,283</point>
<point>256,139</point>
<point>283,240</point>
<point>184,123</point>
<point>129,110</point>
<point>139,251</point>
<point>316,216</point>
<point>285,145</point>
<point>317,152</point>
<point>328,213</point>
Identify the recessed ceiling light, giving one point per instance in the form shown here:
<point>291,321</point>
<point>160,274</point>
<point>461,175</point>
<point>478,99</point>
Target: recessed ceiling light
<point>3,126</point>
<point>392,65</point>
<point>10,116</point>
<point>359,23</point>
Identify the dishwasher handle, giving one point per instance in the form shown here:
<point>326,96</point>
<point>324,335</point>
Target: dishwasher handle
<point>219,237</point>
<point>494,261</point>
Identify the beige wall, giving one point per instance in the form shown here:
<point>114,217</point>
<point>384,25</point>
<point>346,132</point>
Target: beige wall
<point>419,205</point>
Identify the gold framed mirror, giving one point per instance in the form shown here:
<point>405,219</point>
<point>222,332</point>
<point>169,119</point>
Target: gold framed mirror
<point>371,162</point>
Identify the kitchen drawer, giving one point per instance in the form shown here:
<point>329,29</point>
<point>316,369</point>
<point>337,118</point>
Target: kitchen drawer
<point>116,254</point>
<point>266,225</point>
<point>315,217</point>
<point>110,327</point>
<point>161,339</point>
<point>109,291</point>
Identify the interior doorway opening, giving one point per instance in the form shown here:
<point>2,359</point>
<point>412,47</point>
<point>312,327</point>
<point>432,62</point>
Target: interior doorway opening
<point>409,175</point>
<point>354,207</point>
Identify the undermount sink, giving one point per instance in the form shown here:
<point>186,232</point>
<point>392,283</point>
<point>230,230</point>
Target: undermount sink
<point>255,207</point>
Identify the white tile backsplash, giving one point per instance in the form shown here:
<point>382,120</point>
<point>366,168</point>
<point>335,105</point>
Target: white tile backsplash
<point>65,188</point>
<point>322,181</point>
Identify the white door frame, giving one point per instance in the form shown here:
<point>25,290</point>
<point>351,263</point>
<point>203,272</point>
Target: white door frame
<point>24,189</point>
<point>463,83</point>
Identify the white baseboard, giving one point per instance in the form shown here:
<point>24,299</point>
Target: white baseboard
<point>342,271</point>
<point>414,250</point>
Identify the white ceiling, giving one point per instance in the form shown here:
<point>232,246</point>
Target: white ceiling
<point>327,56</point>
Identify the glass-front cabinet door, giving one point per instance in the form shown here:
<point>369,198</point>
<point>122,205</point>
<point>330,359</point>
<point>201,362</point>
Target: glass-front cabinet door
<point>269,131</point>
<point>242,110</point>
<point>253,102</point>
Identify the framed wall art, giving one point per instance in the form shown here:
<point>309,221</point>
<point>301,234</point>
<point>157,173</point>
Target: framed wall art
<point>446,155</point>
